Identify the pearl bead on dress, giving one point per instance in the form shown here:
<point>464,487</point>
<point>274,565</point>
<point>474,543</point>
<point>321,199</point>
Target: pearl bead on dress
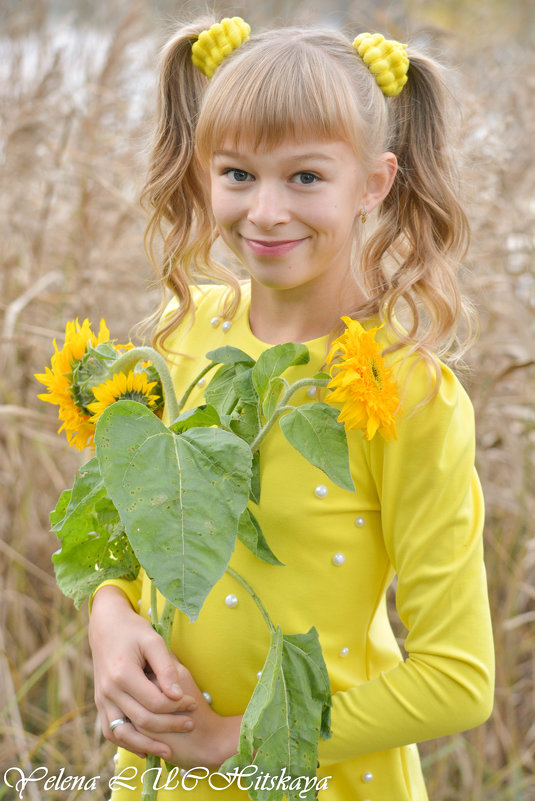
<point>226,326</point>
<point>344,652</point>
<point>321,491</point>
<point>359,522</point>
<point>231,601</point>
<point>214,322</point>
<point>339,559</point>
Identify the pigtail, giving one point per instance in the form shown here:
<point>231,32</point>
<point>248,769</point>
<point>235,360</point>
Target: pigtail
<point>174,192</point>
<point>422,226</point>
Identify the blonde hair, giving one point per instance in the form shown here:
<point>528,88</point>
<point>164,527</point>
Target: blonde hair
<point>301,84</point>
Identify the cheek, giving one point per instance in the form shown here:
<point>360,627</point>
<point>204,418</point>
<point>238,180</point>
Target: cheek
<point>216,205</point>
<point>330,220</point>
<point>224,208</point>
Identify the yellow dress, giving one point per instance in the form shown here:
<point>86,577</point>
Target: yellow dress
<point>417,512</point>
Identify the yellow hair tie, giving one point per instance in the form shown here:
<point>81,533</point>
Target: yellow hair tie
<point>218,42</point>
<point>386,59</point>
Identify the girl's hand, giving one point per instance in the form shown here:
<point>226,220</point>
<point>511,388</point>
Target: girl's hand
<point>125,648</point>
<point>213,739</point>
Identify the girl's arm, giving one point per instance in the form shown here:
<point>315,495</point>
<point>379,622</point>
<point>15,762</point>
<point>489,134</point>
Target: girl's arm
<point>125,648</point>
<point>432,520</point>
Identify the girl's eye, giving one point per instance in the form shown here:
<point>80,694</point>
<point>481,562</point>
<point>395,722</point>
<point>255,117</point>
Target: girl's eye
<point>238,176</point>
<point>306,178</point>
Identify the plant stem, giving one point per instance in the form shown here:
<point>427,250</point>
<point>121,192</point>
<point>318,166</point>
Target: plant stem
<point>129,359</point>
<point>153,605</point>
<point>255,444</point>
<point>253,595</point>
<point>187,393</point>
<point>283,406</point>
<point>164,628</point>
<point>149,791</point>
<point>165,623</point>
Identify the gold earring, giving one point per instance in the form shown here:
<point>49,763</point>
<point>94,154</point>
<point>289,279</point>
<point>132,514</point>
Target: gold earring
<point>363,215</point>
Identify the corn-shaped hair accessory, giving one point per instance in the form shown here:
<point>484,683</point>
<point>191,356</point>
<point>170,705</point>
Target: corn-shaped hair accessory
<point>386,59</point>
<point>218,42</point>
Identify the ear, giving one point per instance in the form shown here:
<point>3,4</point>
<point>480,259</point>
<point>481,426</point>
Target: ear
<point>380,180</point>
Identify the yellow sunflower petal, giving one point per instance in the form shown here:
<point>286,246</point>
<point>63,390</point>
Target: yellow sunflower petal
<point>130,386</point>
<point>57,379</point>
<point>362,382</point>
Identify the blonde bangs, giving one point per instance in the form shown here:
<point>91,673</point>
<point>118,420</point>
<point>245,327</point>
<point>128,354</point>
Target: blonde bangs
<point>278,89</point>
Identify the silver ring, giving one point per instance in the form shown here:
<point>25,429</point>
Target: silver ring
<point>118,722</point>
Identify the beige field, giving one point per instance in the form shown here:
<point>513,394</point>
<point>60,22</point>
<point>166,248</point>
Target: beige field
<point>76,99</point>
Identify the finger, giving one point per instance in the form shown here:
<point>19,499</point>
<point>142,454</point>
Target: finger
<point>187,703</point>
<point>137,686</point>
<point>126,735</point>
<point>148,720</point>
<point>164,667</point>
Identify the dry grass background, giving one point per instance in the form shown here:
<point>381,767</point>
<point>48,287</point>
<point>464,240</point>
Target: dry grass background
<point>72,139</point>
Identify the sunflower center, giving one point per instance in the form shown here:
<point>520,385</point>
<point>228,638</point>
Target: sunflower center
<point>135,395</point>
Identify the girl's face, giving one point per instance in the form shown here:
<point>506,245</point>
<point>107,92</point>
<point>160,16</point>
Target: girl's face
<point>289,213</point>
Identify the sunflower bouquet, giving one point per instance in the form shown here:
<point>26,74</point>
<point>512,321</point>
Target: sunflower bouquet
<point>82,381</point>
<point>150,489</point>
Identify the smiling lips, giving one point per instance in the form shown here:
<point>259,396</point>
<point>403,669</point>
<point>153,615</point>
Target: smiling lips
<point>272,247</point>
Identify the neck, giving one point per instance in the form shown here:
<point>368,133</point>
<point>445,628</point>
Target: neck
<point>301,314</point>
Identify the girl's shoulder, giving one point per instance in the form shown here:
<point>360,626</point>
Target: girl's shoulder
<point>423,379</point>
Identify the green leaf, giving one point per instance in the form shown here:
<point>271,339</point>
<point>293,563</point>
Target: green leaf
<point>221,392</point>
<point>245,421</point>
<point>305,667</point>
<point>288,712</point>
<point>254,494</point>
<point>94,547</point>
<point>251,535</point>
<point>180,497</point>
<point>313,429</point>
<point>87,485</point>
<point>229,355</point>
<point>244,386</point>
<point>261,698</point>
<point>272,395</point>
<point>58,514</point>
<point>276,360</point>
<point>199,417</point>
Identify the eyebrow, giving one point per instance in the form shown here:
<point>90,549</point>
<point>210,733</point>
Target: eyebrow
<point>297,157</point>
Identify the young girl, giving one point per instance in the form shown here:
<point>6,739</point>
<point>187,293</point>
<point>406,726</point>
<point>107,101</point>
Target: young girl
<point>281,145</point>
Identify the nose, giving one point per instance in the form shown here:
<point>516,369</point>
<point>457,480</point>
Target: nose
<point>268,205</point>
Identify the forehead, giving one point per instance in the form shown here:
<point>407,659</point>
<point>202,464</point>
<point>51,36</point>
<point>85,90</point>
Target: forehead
<point>325,151</point>
<point>265,123</point>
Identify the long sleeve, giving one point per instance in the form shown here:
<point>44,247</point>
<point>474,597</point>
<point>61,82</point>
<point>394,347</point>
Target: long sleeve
<point>432,521</point>
<point>132,589</point>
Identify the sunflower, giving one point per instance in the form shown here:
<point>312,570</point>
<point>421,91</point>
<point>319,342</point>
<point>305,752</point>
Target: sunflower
<point>58,379</point>
<point>363,382</point>
<point>130,386</point>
